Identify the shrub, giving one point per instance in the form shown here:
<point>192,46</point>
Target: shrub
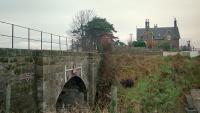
<point>139,44</point>
<point>127,83</point>
<point>164,45</point>
<point>129,109</point>
<point>165,70</point>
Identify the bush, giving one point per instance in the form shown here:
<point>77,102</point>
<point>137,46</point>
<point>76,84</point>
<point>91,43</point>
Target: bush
<point>139,44</point>
<point>127,83</point>
<point>164,46</point>
<point>165,70</point>
<point>129,109</point>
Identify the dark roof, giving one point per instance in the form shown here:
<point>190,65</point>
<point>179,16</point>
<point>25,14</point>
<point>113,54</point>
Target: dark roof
<point>159,32</point>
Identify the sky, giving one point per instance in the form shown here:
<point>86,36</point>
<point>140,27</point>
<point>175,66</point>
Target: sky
<point>55,16</point>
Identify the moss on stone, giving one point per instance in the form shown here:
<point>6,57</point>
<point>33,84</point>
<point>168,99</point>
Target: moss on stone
<point>10,66</point>
<point>3,60</point>
<point>39,61</point>
<point>52,60</point>
<point>17,71</point>
<point>12,59</point>
<point>28,59</point>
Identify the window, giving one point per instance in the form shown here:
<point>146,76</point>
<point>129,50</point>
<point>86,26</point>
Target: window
<point>168,37</point>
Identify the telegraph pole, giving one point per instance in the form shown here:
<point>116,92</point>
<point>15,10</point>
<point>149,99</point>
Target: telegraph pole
<point>188,44</point>
<point>131,37</point>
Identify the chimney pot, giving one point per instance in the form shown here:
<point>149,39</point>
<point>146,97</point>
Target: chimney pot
<point>175,22</point>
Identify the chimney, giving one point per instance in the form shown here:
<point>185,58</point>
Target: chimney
<point>175,23</point>
<point>155,26</point>
<point>146,24</point>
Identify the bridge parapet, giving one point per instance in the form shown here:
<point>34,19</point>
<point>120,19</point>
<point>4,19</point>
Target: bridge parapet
<point>42,74</point>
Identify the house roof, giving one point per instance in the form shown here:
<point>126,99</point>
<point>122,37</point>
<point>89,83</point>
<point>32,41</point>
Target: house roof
<point>160,32</point>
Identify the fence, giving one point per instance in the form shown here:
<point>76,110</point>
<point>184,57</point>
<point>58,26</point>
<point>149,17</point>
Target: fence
<point>136,51</point>
<point>195,49</point>
<point>11,34</point>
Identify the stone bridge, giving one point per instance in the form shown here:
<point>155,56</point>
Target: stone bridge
<point>39,80</point>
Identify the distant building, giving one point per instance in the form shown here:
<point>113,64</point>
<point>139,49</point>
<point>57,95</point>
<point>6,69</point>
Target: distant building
<point>160,34</point>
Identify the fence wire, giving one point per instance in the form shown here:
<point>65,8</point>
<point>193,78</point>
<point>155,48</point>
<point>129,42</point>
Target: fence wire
<point>33,41</point>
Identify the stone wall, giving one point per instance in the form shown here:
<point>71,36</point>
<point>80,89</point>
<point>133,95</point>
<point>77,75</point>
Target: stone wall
<point>17,70</point>
<point>195,93</point>
<point>38,77</point>
<point>190,53</point>
<point>170,53</point>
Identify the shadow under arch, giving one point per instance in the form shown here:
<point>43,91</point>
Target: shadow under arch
<point>74,92</point>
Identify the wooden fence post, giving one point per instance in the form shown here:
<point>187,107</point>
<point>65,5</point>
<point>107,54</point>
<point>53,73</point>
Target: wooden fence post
<point>114,98</point>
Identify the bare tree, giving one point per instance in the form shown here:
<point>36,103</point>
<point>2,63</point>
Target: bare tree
<point>77,28</point>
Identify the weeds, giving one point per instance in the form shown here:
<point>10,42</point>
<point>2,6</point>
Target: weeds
<point>160,85</point>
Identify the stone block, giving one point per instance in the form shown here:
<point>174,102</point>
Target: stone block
<point>195,93</point>
<point>28,59</point>
<point>3,59</point>
<point>3,52</point>
<point>191,110</point>
<point>189,101</point>
<point>46,61</point>
<point>39,61</point>
<point>20,59</point>
<point>12,59</point>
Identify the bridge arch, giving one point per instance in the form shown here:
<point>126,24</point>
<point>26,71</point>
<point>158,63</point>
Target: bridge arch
<point>73,92</point>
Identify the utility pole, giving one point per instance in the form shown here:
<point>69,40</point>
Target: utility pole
<point>130,40</point>
<point>188,45</point>
<point>131,37</point>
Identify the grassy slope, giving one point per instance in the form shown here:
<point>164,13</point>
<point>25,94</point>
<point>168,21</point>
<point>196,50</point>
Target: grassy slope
<point>159,82</point>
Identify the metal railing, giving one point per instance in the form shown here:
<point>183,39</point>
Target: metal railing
<point>195,49</point>
<point>67,45</point>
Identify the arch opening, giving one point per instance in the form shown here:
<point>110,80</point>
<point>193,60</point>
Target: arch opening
<point>73,93</point>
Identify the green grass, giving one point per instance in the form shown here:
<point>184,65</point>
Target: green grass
<point>162,90</point>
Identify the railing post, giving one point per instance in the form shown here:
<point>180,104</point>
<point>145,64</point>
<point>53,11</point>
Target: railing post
<point>12,35</point>
<point>51,41</point>
<point>41,40</point>
<point>59,43</point>
<point>66,44</point>
<point>28,38</point>
<point>72,44</point>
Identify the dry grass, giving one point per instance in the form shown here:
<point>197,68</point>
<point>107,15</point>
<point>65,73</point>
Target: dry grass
<point>136,66</point>
<point>139,67</point>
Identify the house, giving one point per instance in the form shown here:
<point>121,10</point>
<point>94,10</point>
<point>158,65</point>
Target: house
<point>159,35</point>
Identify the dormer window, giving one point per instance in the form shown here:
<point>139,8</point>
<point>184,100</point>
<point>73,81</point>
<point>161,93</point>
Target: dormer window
<point>168,37</point>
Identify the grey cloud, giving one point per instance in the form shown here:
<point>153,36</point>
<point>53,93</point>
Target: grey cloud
<point>56,15</point>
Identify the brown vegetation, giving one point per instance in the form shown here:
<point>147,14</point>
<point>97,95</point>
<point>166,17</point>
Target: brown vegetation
<point>184,72</point>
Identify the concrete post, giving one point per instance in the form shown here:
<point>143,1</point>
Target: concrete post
<point>8,95</point>
<point>114,99</point>
<point>90,80</point>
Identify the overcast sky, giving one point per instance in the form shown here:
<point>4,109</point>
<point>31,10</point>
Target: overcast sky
<point>56,15</point>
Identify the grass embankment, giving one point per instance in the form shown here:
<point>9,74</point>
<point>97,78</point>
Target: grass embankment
<point>159,82</point>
